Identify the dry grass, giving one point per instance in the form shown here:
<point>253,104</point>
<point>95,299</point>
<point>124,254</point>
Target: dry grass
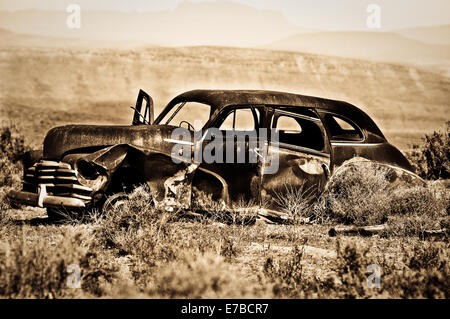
<point>158,243</point>
<point>201,276</point>
<point>136,252</point>
<point>36,266</point>
<point>420,271</point>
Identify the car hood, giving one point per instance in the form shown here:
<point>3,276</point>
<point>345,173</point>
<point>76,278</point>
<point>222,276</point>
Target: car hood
<point>88,138</point>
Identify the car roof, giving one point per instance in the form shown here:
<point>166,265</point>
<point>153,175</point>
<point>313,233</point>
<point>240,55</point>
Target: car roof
<point>219,99</point>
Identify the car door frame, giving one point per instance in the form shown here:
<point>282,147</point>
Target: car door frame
<point>226,172</point>
<point>271,185</point>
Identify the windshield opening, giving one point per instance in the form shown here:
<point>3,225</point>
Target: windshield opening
<point>192,115</point>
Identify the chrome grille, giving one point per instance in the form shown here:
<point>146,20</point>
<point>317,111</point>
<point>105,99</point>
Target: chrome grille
<point>58,177</point>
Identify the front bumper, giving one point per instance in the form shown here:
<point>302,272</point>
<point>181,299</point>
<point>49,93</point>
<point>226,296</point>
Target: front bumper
<point>52,184</point>
<point>42,199</point>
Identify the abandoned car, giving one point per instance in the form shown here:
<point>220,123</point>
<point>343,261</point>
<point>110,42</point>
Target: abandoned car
<point>308,138</point>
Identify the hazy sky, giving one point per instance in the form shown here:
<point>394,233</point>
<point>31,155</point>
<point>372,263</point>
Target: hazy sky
<point>322,14</point>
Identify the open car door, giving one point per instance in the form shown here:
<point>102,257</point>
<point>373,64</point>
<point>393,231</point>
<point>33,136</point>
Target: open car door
<point>145,116</point>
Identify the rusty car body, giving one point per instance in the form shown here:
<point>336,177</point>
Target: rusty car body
<point>81,166</point>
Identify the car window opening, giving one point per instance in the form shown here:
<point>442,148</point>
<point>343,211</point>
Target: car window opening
<point>341,129</point>
<point>295,131</point>
<point>193,113</point>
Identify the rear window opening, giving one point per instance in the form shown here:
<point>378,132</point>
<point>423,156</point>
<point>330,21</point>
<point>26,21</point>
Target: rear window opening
<point>296,131</point>
<point>341,129</point>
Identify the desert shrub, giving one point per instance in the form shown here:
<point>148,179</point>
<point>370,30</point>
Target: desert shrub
<point>123,229</point>
<point>12,148</point>
<point>200,276</point>
<point>149,256</point>
<point>39,268</point>
<point>348,278</point>
<point>417,200</point>
<point>12,145</point>
<point>5,223</point>
<point>424,272</point>
<point>286,275</point>
<point>363,194</point>
<point>242,211</point>
<point>229,248</point>
<point>351,271</point>
<point>11,173</point>
<point>295,201</point>
<point>359,194</point>
<point>431,159</point>
<point>421,271</point>
<point>151,237</point>
<point>414,210</point>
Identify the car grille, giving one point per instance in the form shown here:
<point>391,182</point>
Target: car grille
<point>59,179</point>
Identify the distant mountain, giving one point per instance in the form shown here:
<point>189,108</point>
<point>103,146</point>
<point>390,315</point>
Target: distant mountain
<point>7,34</point>
<point>13,39</point>
<point>434,35</point>
<point>223,24</point>
<point>210,23</point>
<point>381,46</point>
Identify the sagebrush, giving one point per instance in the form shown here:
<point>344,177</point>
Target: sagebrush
<point>431,158</point>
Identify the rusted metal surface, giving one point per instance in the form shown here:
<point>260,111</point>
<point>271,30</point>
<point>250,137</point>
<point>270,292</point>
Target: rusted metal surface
<point>112,159</point>
<point>177,189</point>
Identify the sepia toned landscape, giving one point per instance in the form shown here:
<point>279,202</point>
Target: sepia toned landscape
<point>400,79</point>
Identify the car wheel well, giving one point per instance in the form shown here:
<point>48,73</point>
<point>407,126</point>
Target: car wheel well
<point>125,180</point>
<point>207,183</point>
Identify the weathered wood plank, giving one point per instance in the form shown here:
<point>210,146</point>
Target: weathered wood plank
<point>354,230</point>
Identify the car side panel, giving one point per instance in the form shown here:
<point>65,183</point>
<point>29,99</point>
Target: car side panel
<point>379,152</point>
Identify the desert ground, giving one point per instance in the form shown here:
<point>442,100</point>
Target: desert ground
<point>139,252</point>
